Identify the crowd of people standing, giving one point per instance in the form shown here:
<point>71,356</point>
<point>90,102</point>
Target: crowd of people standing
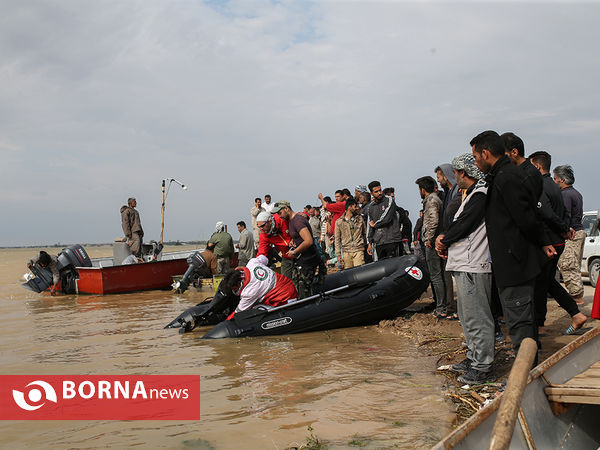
<point>494,225</point>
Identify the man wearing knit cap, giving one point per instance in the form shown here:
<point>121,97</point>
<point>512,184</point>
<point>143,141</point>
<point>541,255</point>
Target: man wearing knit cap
<point>359,189</point>
<point>223,247</point>
<point>466,248</point>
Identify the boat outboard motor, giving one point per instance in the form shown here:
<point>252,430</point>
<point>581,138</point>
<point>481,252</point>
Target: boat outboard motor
<point>196,264</point>
<point>151,251</point>
<point>206,313</point>
<point>68,260</point>
<point>41,280</point>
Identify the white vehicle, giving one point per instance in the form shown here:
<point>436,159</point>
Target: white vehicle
<point>590,262</point>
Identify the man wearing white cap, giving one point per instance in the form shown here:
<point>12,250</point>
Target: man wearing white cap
<point>274,234</point>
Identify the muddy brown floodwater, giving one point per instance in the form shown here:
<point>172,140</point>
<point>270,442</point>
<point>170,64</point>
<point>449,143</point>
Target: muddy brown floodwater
<point>355,387</point>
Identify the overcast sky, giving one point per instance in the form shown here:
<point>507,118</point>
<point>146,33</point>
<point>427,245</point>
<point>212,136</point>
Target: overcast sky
<point>101,100</point>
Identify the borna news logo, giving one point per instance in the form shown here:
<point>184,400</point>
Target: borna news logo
<point>100,397</point>
<point>34,396</point>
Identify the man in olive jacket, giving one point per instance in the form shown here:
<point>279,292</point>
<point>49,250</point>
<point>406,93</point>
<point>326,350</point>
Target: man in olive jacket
<point>514,235</point>
<point>223,247</point>
<point>132,226</point>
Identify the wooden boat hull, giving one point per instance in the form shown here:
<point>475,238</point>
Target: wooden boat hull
<point>542,423</point>
<point>129,278</point>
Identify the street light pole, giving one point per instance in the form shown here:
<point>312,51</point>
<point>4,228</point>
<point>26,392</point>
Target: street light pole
<point>164,199</point>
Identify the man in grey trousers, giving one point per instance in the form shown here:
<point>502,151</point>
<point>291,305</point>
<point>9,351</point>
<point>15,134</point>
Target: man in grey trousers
<point>432,224</point>
<point>466,247</point>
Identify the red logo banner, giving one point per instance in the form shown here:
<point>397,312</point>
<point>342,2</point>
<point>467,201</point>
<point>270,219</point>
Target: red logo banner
<point>99,397</point>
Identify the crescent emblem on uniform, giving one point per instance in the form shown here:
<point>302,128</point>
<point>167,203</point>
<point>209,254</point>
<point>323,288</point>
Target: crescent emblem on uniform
<point>260,273</point>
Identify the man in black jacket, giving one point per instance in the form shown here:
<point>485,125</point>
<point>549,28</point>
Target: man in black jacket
<point>382,224</point>
<point>402,218</point>
<point>553,213</point>
<point>513,235</point>
<point>515,150</point>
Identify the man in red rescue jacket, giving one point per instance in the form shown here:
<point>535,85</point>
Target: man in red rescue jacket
<point>257,283</point>
<point>274,234</point>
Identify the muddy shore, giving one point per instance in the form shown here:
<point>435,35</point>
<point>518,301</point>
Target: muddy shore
<point>441,343</point>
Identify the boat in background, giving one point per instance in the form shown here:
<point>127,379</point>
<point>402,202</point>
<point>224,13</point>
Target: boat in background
<point>83,275</point>
<point>560,406</point>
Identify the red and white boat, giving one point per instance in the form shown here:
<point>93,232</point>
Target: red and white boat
<point>82,275</point>
<point>109,279</point>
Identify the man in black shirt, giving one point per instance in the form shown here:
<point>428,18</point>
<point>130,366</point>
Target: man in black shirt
<point>513,234</point>
<point>515,150</point>
<point>305,256</point>
<point>553,213</point>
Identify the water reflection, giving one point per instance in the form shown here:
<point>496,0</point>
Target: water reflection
<point>255,392</point>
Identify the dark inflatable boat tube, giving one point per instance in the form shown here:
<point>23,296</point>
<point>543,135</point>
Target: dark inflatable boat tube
<point>376,291</point>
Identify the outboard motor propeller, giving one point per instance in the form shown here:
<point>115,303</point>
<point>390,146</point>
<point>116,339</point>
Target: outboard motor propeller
<point>196,263</point>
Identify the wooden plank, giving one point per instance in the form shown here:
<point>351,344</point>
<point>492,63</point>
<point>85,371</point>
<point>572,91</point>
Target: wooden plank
<point>588,378</point>
<point>572,391</point>
<point>592,371</point>
<point>583,382</point>
<point>581,400</point>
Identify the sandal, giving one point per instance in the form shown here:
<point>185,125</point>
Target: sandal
<point>571,330</point>
<point>439,315</point>
<point>452,317</point>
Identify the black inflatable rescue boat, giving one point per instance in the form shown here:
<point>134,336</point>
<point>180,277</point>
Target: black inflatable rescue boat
<point>359,296</point>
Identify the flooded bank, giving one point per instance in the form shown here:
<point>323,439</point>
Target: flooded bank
<point>352,386</point>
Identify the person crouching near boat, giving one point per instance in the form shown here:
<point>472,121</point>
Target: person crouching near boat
<point>257,283</point>
<point>465,246</point>
<point>50,262</point>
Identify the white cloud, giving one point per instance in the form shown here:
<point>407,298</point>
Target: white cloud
<point>101,100</point>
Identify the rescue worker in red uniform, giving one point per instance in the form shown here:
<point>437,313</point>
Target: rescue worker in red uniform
<point>257,283</point>
<point>274,234</point>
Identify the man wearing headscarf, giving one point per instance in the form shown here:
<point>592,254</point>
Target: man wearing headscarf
<point>358,190</point>
<point>465,246</point>
<point>223,247</point>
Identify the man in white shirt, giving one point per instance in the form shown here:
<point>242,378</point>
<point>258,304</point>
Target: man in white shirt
<point>268,204</point>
